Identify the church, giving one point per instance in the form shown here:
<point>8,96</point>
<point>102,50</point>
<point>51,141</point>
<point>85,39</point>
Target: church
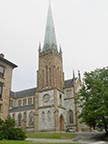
<point>51,105</point>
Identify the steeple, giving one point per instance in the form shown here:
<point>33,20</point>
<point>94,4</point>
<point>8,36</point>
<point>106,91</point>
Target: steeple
<point>50,37</point>
<point>50,72</point>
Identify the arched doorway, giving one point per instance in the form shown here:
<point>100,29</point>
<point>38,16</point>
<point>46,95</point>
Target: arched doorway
<point>61,123</point>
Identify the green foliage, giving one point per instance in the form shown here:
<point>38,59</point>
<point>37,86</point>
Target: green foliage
<point>93,98</point>
<point>15,134</point>
<point>8,130</point>
<point>9,123</point>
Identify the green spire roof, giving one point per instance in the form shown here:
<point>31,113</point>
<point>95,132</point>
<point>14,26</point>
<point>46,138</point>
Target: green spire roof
<point>50,38</point>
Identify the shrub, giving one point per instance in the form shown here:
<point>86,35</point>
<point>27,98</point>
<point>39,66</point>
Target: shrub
<point>16,134</point>
<point>1,135</point>
<point>8,130</point>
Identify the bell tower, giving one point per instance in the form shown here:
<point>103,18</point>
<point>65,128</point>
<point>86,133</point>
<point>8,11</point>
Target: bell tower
<point>50,81</point>
<point>50,68</point>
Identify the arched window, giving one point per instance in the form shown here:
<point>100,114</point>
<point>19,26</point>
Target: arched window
<point>43,116</point>
<point>31,119</point>
<point>42,78</point>
<point>24,116</point>
<point>54,75</point>
<point>49,115</point>
<point>70,117</point>
<point>46,75</point>
<point>61,123</point>
<point>19,119</point>
<point>50,76</point>
<point>60,97</point>
<point>58,77</point>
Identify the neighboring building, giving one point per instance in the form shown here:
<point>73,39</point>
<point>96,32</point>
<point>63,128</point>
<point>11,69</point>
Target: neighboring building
<point>6,68</point>
<point>51,106</point>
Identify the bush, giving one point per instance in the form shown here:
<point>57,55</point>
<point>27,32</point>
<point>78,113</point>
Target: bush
<point>16,134</point>
<point>8,130</point>
<point>1,135</point>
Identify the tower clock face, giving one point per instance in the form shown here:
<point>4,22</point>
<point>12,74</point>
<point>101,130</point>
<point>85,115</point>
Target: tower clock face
<point>46,97</point>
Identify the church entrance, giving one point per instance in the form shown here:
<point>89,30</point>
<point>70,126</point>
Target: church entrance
<point>61,123</point>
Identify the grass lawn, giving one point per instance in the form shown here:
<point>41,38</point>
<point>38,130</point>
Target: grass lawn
<point>27,142</point>
<point>42,135</point>
<point>51,135</point>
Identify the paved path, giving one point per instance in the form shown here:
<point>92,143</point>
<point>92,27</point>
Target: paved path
<point>49,140</point>
<point>90,138</point>
<point>82,138</point>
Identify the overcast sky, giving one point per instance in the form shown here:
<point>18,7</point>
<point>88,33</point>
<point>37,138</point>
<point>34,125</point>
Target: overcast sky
<point>81,28</point>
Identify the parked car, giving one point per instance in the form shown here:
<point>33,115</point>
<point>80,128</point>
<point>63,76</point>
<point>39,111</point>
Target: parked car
<point>70,130</point>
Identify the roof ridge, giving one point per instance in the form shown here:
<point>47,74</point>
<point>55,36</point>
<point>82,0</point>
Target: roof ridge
<point>24,90</point>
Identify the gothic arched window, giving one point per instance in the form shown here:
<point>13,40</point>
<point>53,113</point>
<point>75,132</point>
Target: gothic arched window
<point>19,119</point>
<point>42,78</point>
<point>50,76</point>
<point>31,119</point>
<point>46,75</point>
<point>49,115</point>
<point>24,116</point>
<point>60,97</point>
<point>43,116</point>
<point>58,77</point>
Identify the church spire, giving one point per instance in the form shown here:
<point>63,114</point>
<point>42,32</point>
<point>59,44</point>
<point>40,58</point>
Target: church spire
<point>50,37</point>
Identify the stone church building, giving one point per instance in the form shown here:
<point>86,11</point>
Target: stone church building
<point>51,105</point>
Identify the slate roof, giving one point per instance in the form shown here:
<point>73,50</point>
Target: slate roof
<point>68,83</point>
<point>31,92</point>
<point>23,93</point>
<point>12,94</point>
<point>22,108</point>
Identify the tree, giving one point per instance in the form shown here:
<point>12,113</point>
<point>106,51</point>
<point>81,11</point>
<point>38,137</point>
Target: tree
<point>9,123</point>
<point>93,98</point>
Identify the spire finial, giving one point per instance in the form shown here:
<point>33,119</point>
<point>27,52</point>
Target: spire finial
<point>79,75</point>
<point>73,74</point>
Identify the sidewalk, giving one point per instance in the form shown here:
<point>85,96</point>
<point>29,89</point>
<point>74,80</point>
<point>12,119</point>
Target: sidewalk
<point>50,140</point>
<point>64,141</point>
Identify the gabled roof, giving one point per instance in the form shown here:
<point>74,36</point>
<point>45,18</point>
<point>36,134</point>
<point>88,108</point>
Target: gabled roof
<point>50,37</point>
<point>7,62</point>
<point>23,93</point>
